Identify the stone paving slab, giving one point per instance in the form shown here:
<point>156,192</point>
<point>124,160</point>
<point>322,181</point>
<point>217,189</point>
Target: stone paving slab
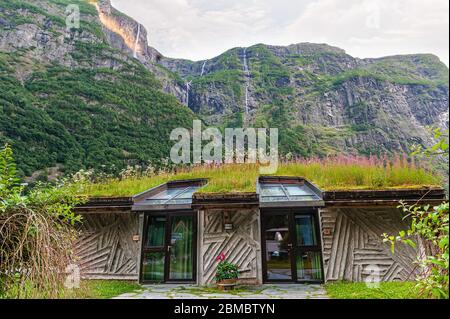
<point>268,291</point>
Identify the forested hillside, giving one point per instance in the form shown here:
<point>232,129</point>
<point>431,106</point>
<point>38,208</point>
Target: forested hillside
<point>99,96</point>
<point>70,101</point>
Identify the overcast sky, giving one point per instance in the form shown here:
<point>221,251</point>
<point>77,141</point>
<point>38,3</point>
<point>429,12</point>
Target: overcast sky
<point>202,29</point>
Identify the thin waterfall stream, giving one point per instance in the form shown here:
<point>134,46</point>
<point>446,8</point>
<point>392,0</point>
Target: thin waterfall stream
<point>136,43</point>
<point>188,84</point>
<point>247,81</point>
<point>203,68</point>
<point>188,87</point>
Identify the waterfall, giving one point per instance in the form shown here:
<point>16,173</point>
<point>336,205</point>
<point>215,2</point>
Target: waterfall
<point>188,84</point>
<point>247,81</point>
<point>203,68</point>
<point>246,70</point>
<point>188,87</point>
<point>137,40</point>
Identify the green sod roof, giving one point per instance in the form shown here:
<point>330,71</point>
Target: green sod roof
<point>328,175</point>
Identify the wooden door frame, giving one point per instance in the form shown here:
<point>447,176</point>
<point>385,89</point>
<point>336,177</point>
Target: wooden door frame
<point>169,215</point>
<point>291,212</point>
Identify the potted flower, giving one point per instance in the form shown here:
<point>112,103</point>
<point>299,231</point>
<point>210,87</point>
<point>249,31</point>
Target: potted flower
<point>226,273</point>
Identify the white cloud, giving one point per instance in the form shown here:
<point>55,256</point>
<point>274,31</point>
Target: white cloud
<point>199,29</point>
<point>368,30</point>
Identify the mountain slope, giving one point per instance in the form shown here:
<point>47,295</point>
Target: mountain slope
<point>100,97</point>
<point>322,100</point>
<point>70,100</point>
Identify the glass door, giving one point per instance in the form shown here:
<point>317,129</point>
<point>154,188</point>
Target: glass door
<point>169,248</point>
<point>154,249</point>
<point>308,249</point>
<point>278,247</point>
<point>291,246</point>
<point>181,248</point>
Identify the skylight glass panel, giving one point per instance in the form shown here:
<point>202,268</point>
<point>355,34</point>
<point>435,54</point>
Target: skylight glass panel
<point>299,190</point>
<point>165,194</point>
<point>187,193</point>
<point>286,192</point>
<point>272,190</point>
<point>173,196</point>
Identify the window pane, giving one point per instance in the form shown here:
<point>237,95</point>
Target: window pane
<point>171,196</point>
<point>306,232</point>
<point>286,192</point>
<point>153,266</point>
<point>188,193</point>
<point>272,191</point>
<point>184,197</point>
<point>166,193</point>
<point>181,252</point>
<point>278,256</point>
<point>297,190</point>
<point>309,265</point>
<point>156,231</point>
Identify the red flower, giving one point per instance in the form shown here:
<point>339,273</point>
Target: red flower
<point>221,257</point>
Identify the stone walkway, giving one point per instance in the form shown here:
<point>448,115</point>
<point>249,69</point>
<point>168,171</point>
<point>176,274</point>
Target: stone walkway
<point>272,291</point>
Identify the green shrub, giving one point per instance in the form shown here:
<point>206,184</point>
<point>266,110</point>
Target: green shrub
<point>36,234</point>
<point>225,269</point>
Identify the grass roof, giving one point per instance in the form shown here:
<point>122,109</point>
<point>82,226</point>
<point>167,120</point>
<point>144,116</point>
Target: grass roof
<point>329,174</point>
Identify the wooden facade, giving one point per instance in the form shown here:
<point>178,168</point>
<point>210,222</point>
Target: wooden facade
<point>353,248</point>
<point>106,248</point>
<point>351,236</point>
<point>241,245</point>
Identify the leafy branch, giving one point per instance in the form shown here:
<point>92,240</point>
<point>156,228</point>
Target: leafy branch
<point>36,233</point>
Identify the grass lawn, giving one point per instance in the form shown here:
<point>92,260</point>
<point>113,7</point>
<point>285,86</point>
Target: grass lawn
<point>89,289</point>
<point>359,290</point>
<point>100,289</point>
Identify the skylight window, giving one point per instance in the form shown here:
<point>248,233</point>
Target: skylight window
<point>173,196</point>
<point>286,192</point>
<point>291,191</point>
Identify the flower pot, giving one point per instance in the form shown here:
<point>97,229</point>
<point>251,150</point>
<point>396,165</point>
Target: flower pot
<point>227,284</point>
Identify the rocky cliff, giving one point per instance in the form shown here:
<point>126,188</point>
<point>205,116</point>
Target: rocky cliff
<point>322,99</point>
<point>96,96</point>
<point>130,37</point>
<point>73,98</point>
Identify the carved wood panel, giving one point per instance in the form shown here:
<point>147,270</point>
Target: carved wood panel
<point>241,245</point>
<point>106,248</point>
<point>354,250</point>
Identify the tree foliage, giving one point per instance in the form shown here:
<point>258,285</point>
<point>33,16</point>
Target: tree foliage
<point>440,148</point>
<point>428,232</point>
<point>36,233</point>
